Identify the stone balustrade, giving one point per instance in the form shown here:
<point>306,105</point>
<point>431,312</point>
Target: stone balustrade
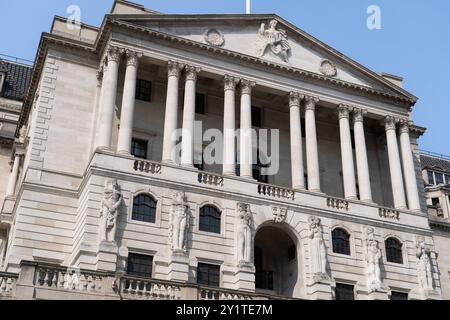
<point>141,288</point>
<point>147,166</point>
<point>210,179</point>
<point>275,191</point>
<point>7,284</point>
<point>68,279</point>
<point>389,213</point>
<point>339,204</point>
<point>220,294</point>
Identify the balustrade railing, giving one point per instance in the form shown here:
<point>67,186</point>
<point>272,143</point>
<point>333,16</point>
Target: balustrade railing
<point>133,287</point>
<point>210,179</point>
<point>7,284</point>
<point>275,191</point>
<point>147,166</point>
<point>339,204</point>
<point>389,213</point>
<point>221,294</point>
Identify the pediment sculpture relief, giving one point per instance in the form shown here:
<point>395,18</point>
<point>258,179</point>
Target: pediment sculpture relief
<point>214,37</point>
<point>273,39</point>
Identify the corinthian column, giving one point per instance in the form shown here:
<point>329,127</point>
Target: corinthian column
<point>246,143</point>
<point>108,99</point>
<point>187,144</point>
<point>128,103</point>
<point>229,126</point>
<point>348,169</point>
<point>312,154</point>
<point>409,168</point>
<point>171,114</point>
<point>362,164</point>
<point>395,166</point>
<point>298,177</point>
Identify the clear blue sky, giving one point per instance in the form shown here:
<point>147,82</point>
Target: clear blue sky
<point>414,40</point>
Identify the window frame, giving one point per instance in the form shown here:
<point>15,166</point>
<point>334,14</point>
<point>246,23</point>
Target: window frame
<point>218,267</point>
<point>350,242</point>
<point>221,223</point>
<point>139,87</point>
<point>400,293</point>
<point>134,140</point>
<point>401,249</point>
<point>342,285</point>
<point>157,209</point>
<point>152,258</point>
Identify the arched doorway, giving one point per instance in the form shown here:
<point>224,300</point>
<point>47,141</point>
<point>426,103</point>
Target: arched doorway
<point>276,262</point>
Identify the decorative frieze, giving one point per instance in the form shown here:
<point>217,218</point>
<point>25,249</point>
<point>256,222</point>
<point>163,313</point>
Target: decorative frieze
<point>389,213</point>
<point>279,214</point>
<point>339,204</point>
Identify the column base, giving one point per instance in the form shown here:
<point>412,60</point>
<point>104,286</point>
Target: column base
<point>107,256</point>
<point>240,277</point>
<point>365,292</point>
<point>178,267</point>
<point>321,287</point>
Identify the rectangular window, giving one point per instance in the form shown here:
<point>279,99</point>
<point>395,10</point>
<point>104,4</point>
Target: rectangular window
<point>139,148</point>
<point>430,177</point>
<point>208,275</point>
<point>256,117</point>
<point>447,179</point>
<point>200,103</point>
<point>399,295</point>
<point>143,90</point>
<point>439,177</point>
<point>344,292</point>
<point>140,265</point>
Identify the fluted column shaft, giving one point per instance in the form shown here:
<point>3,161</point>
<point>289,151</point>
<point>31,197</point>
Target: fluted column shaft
<point>108,99</point>
<point>298,176</point>
<point>412,191</point>
<point>348,167</point>
<point>229,126</point>
<point>128,103</point>
<point>246,139</point>
<point>187,143</point>
<point>362,164</point>
<point>12,181</point>
<point>312,154</point>
<point>171,114</point>
<point>395,166</point>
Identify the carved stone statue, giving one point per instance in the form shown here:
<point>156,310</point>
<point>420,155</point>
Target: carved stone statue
<point>112,198</point>
<point>423,254</point>
<point>22,134</point>
<point>179,222</point>
<point>274,40</point>
<point>244,233</point>
<point>318,253</point>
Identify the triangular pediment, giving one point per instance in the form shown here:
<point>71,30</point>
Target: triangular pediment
<point>270,38</point>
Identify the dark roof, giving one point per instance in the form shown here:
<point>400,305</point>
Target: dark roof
<point>436,163</point>
<point>18,77</point>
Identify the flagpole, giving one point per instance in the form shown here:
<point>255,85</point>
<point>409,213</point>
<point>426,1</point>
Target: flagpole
<point>248,7</point>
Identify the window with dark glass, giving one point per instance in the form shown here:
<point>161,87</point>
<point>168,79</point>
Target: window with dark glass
<point>292,253</point>
<point>439,178</point>
<point>139,148</point>
<point>256,117</point>
<point>395,295</point>
<point>210,219</point>
<point>394,251</point>
<point>144,209</point>
<point>199,161</point>
<point>200,103</point>
<point>143,90</point>
<point>447,179</point>
<point>341,241</point>
<point>139,265</point>
<point>435,202</point>
<point>258,171</point>
<point>344,292</point>
<point>208,275</point>
<point>430,177</point>
<point>263,278</point>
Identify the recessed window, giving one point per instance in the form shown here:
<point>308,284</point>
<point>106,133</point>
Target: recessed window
<point>208,275</point>
<point>395,295</point>
<point>344,292</point>
<point>430,177</point>
<point>439,178</point>
<point>139,265</point>
<point>139,148</point>
<point>200,103</point>
<point>341,241</point>
<point>144,208</point>
<point>143,90</point>
<point>394,251</point>
<point>256,117</point>
<point>435,202</point>
<point>210,219</point>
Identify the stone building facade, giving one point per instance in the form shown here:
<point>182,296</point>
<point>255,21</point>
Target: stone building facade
<point>116,196</point>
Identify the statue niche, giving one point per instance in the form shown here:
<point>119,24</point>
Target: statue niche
<point>244,234</point>
<point>179,223</point>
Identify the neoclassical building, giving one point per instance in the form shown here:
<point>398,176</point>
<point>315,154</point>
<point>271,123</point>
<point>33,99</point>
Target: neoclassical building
<point>315,191</point>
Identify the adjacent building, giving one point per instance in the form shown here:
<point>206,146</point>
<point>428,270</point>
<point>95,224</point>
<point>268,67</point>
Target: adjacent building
<point>176,156</point>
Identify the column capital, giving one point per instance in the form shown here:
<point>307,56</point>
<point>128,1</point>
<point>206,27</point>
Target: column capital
<point>174,68</point>
<point>310,102</point>
<point>192,72</point>
<point>390,123</point>
<point>133,57</point>
<point>359,114</point>
<point>246,86</point>
<point>344,111</point>
<point>295,98</point>
<point>404,125</point>
<point>230,82</point>
<point>100,73</point>
<point>114,53</point>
